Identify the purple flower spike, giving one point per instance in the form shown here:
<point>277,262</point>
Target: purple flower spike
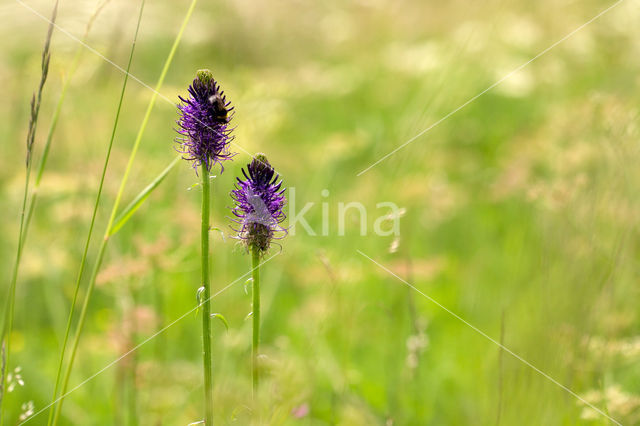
<point>259,201</point>
<point>204,123</point>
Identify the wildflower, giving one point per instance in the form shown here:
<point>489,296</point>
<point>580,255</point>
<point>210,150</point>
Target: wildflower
<point>206,135</point>
<point>259,202</point>
<point>204,123</point>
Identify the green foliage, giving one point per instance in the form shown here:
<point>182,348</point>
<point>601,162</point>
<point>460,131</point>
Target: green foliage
<point>135,204</point>
<point>523,204</point>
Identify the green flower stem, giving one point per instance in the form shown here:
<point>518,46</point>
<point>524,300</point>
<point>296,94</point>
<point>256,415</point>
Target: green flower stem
<point>255,291</point>
<point>54,412</point>
<point>114,210</point>
<point>206,303</point>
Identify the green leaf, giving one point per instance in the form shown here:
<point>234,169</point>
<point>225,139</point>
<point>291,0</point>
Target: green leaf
<point>140,199</point>
<point>199,299</point>
<point>221,318</point>
<point>224,239</point>
<point>247,283</point>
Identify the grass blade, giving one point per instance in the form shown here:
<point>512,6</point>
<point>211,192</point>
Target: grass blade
<point>43,162</point>
<point>54,120</point>
<point>7,326</point>
<point>2,364</point>
<point>52,412</point>
<point>128,211</point>
<point>147,114</point>
<point>114,210</point>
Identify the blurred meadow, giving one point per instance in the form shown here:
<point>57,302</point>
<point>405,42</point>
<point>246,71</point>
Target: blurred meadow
<point>520,213</point>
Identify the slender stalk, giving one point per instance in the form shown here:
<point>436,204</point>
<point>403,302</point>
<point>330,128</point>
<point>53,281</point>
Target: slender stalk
<point>206,304</point>
<point>74,348</point>
<point>132,364</point>
<point>92,223</point>
<point>255,291</point>
<point>134,205</point>
<point>500,369</point>
<point>54,119</point>
<point>147,114</point>
<point>7,326</point>
<point>47,146</point>
<point>114,210</point>
<point>2,360</point>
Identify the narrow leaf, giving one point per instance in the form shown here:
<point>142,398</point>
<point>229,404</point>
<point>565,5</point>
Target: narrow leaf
<point>221,318</point>
<point>224,239</point>
<point>199,299</point>
<point>247,283</point>
<point>140,199</point>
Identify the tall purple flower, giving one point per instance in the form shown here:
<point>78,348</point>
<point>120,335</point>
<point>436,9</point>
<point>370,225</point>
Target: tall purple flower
<point>259,201</point>
<point>204,123</point>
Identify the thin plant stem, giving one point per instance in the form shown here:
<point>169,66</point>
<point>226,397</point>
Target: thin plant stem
<point>65,383</point>
<point>255,291</point>
<point>135,204</point>
<point>54,123</point>
<point>92,223</point>
<point>56,115</point>
<point>147,115</point>
<point>132,365</point>
<point>206,304</point>
<point>107,234</point>
<point>7,326</point>
<point>2,362</point>
<point>500,369</point>
<point>47,146</point>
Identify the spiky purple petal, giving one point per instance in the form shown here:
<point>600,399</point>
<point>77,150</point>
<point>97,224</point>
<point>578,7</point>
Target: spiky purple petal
<point>204,123</point>
<point>259,200</point>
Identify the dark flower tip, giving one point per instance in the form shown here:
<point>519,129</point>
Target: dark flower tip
<point>204,123</point>
<point>259,199</point>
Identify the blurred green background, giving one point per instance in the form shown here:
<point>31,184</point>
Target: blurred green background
<point>521,212</point>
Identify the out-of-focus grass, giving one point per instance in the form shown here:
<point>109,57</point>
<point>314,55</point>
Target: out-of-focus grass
<point>522,203</point>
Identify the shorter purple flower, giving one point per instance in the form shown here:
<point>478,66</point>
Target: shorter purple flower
<point>259,201</point>
<point>204,123</point>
